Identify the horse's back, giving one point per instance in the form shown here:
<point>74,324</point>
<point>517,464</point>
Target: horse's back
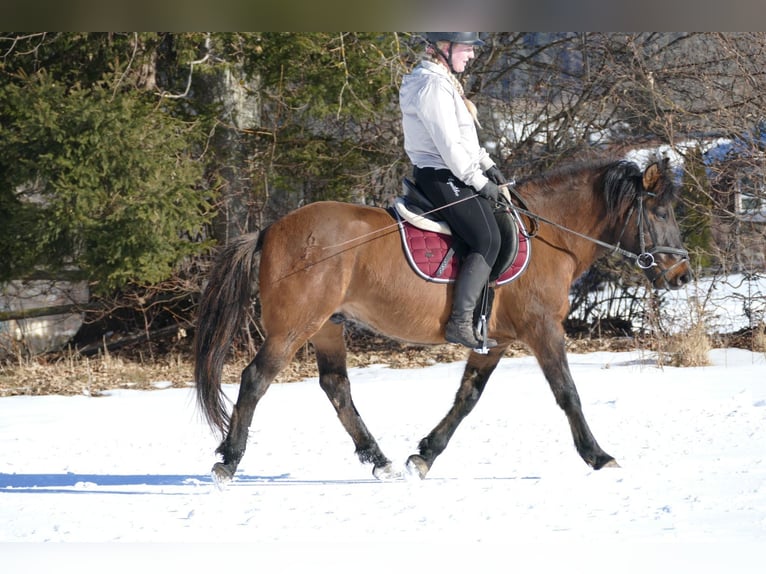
<point>316,246</point>
<point>328,221</point>
<point>332,258</point>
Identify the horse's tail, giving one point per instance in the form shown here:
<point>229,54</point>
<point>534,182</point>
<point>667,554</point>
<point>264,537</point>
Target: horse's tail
<point>222,310</point>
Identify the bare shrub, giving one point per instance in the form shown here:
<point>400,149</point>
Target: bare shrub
<point>689,349</point>
<point>759,339</point>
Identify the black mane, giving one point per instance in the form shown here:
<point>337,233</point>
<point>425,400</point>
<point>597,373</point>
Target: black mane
<point>619,181</point>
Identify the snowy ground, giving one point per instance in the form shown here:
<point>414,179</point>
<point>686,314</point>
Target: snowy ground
<point>123,480</point>
<point>724,304</point>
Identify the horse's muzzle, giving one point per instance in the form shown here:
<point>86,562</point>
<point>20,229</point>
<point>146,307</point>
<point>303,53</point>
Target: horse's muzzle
<point>672,276</point>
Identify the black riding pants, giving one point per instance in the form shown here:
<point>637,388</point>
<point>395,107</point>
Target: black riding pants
<point>469,215</point>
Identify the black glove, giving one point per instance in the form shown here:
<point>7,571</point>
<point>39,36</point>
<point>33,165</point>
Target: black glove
<point>490,191</point>
<point>495,175</point>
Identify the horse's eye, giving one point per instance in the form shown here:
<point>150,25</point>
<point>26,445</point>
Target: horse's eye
<point>662,214</point>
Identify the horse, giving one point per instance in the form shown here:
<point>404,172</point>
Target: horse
<point>329,262</point>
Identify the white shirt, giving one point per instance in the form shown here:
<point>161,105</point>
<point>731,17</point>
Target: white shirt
<point>439,131</point>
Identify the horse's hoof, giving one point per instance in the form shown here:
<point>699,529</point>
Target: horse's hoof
<point>611,464</point>
<point>221,474</point>
<point>417,466</point>
<point>385,472</point>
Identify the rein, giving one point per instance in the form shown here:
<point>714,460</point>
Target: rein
<point>391,227</point>
<point>644,260</point>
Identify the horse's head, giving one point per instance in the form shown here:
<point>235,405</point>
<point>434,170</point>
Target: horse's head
<point>652,230</point>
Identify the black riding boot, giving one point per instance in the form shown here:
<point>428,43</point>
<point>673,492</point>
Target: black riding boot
<point>472,278</point>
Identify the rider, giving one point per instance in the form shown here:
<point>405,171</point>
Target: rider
<point>452,169</point>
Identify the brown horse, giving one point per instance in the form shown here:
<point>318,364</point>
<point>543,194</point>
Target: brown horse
<point>328,262</point>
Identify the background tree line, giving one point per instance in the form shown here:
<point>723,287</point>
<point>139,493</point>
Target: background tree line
<point>125,158</point>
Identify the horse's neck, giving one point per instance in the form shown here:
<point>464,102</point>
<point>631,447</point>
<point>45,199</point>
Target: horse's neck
<point>574,213</point>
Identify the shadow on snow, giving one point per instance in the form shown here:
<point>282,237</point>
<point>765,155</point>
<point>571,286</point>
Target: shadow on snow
<point>73,483</point>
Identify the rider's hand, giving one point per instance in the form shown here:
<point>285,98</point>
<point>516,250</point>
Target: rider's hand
<point>490,191</point>
<point>495,175</point>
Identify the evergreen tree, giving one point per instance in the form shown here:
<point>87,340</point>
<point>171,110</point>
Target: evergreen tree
<point>93,173</point>
<point>330,120</point>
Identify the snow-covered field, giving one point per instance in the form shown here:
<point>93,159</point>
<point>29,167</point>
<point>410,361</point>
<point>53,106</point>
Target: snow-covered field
<point>122,481</point>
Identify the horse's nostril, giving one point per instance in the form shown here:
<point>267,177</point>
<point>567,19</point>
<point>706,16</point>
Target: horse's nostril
<point>685,278</point>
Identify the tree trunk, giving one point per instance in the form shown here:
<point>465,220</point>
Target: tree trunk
<point>239,101</point>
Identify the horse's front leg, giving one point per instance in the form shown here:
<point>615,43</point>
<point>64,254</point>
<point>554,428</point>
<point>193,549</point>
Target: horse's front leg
<point>333,378</point>
<point>550,350</point>
<point>477,371</point>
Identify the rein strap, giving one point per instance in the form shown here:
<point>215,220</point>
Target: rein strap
<point>644,260</point>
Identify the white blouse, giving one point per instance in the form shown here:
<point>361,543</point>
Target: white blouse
<point>439,131</point>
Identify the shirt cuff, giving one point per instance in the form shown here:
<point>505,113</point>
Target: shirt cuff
<point>478,181</point>
<point>486,163</point>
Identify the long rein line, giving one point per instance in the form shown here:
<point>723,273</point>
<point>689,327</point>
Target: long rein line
<point>383,230</point>
<point>519,209</point>
<point>644,260</point>
<point>612,247</point>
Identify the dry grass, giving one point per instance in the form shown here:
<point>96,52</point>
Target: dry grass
<point>690,349</point>
<point>759,339</point>
<point>69,373</point>
<point>142,368</point>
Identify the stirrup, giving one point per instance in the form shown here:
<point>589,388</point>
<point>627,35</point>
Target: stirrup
<point>486,342</point>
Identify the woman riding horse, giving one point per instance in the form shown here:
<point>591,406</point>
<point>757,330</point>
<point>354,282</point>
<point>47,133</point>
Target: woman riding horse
<point>330,262</point>
<point>452,169</point>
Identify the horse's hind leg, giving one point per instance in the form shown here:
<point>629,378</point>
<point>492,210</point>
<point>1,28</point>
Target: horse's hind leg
<point>477,372</point>
<point>255,381</point>
<point>333,378</point>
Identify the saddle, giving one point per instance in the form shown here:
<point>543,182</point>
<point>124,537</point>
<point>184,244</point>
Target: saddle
<point>434,253</point>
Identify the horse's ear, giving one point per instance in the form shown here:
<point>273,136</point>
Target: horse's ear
<point>652,175</point>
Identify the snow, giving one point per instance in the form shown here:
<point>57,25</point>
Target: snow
<point>121,482</point>
<point>724,304</point>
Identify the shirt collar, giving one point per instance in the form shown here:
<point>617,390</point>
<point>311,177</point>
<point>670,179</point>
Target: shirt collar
<point>434,67</point>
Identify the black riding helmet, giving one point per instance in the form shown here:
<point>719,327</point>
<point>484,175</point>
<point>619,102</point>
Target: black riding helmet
<point>470,38</point>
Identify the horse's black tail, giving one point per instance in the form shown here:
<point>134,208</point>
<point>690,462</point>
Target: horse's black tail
<point>221,312</point>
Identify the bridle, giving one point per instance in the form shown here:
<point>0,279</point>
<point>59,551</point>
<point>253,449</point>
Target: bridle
<point>644,260</point>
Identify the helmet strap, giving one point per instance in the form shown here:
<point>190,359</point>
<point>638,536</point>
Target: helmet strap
<point>447,57</point>
<point>453,78</point>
